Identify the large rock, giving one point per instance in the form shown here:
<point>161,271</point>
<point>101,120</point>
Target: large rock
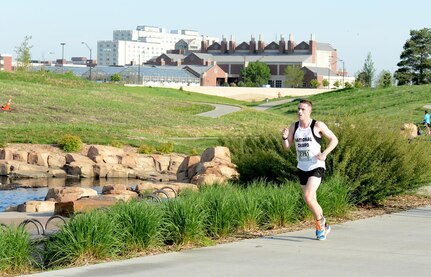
<point>39,158</point>
<point>161,162</point>
<point>6,154</point>
<point>138,161</point>
<point>56,160</point>
<point>219,153</point>
<point>21,156</point>
<point>111,171</point>
<point>120,192</point>
<point>82,169</point>
<point>103,153</point>
<point>84,205</point>
<point>73,157</point>
<point>66,194</point>
<point>186,169</point>
<point>175,162</point>
<point>409,130</point>
<point>37,207</point>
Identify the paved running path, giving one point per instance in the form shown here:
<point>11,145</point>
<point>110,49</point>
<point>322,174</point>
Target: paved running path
<point>220,110</point>
<point>390,245</point>
<point>268,105</point>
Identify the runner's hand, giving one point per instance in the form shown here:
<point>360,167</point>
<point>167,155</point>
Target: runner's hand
<point>321,156</point>
<point>285,133</point>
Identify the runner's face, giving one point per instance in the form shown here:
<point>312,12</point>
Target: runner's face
<point>304,111</point>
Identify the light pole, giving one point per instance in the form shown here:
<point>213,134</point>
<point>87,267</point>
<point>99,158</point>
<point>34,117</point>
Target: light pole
<point>62,56</point>
<point>91,61</point>
<point>343,68</point>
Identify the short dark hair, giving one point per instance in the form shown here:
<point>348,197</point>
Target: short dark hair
<point>306,101</point>
<point>426,111</point>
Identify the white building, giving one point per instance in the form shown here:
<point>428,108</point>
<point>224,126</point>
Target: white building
<point>131,47</point>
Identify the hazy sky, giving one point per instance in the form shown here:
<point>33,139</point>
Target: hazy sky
<point>354,28</point>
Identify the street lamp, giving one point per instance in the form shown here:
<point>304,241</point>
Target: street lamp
<point>62,56</point>
<point>91,61</point>
<point>343,68</point>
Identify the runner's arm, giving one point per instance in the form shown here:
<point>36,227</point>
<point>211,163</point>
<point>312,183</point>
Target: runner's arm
<point>289,134</point>
<point>327,133</point>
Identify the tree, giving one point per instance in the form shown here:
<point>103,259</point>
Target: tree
<point>358,84</point>
<point>366,76</point>
<point>337,84</point>
<point>325,83</point>
<point>347,85</point>
<point>116,78</point>
<point>255,74</point>
<point>23,55</point>
<point>415,64</point>
<point>294,76</point>
<point>314,83</point>
<point>385,79</point>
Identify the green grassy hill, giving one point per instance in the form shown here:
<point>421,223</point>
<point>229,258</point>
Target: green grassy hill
<point>47,106</point>
<point>390,107</point>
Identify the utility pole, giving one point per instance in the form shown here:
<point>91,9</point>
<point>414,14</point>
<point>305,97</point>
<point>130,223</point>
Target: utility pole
<point>62,56</point>
<point>91,61</point>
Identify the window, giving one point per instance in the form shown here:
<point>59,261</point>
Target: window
<point>271,83</point>
<point>278,83</point>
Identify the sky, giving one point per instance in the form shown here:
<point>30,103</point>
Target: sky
<point>354,28</point>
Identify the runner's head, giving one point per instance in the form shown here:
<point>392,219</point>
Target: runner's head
<point>304,109</point>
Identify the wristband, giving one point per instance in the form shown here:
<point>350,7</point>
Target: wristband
<point>284,138</point>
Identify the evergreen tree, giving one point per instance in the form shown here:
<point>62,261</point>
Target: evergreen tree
<point>415,64</point>
<point>385,79</point>
<point>367,72</point>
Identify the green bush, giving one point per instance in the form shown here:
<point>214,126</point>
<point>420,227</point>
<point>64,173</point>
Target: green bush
<point>85,238</point>
<point>335,196</point>
<point>378,162</point>
<point>166,148</point>
<point>70,143</point>
<point>146,149</point>
<point>117,143</point>
<point>348,85</point>
<point>15,250</point>
<point>262,157</point>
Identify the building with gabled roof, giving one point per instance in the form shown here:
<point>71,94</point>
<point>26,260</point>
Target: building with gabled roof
<point>317,60</point>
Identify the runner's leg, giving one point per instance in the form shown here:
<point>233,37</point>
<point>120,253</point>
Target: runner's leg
<point>310,197</point>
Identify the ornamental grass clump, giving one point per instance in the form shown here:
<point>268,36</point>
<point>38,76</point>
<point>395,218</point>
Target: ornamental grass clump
<point>335,196</point>
<point>15,251</point>
<point>219,205</point>
<point>86,238</point>
<point>140,224</point>
<point>184,221</point>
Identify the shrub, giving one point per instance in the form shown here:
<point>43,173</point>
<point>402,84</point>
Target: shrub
<point>140,224</point>
<point>261,157</point>
<point>335,196</point>
<point>348,85</point>
<point>15,250</point>
<point>70,143</point>
<point>117,143</point>
<point>166,148</point>
<point>194,152</point>
<point>146,149</point>
<point>85,238</point>
<point>2,143</point>
<point>378,162</point>
<point>314,83</point>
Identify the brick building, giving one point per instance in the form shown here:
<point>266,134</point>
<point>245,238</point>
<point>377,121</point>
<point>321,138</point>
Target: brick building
<point>318,60</point>
<point>5,62</point>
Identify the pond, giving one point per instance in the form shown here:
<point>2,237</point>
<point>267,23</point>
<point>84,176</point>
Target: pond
<point>36,189</point>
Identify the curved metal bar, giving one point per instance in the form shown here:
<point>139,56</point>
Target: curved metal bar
<point>51,218</point>
<point>152,197</point>
<point>4,226</point>
<point>40,231</point>
<point>162,192</point>
<point>170,188</point>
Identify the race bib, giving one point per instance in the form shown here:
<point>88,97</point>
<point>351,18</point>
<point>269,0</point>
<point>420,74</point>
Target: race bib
<point>304,155</point>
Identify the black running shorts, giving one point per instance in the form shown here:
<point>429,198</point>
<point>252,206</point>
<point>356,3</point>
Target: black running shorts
<point>304,175</point>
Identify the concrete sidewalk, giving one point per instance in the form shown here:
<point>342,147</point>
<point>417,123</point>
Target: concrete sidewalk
<point>390,245</point>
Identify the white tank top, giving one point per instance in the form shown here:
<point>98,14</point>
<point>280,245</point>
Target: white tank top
<point>307,147</point>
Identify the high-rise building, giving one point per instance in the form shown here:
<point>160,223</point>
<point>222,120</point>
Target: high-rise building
<point>132,47</point>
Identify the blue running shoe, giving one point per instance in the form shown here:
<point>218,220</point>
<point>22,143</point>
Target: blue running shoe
<point>322,229</point>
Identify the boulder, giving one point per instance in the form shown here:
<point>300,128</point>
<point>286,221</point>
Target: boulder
<point>161,162</point>
<point>108,188</point>
<point>409,130</point>
<point>105,153</point>
<point>56,160</point>
<point>37,207</point>
<point>6,153</point>
<point>84,205</point>
<point>82,169</point>
<point>220,152</point>
<point>66,194</point>
<point>57,172</point>
<point>111,171</point>
<point>175,162</point>
<point>186,169</point>
<point>73,157</point>
<point>21,156</point>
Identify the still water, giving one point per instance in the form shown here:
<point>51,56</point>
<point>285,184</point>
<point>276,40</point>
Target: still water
<point>36,189</point>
